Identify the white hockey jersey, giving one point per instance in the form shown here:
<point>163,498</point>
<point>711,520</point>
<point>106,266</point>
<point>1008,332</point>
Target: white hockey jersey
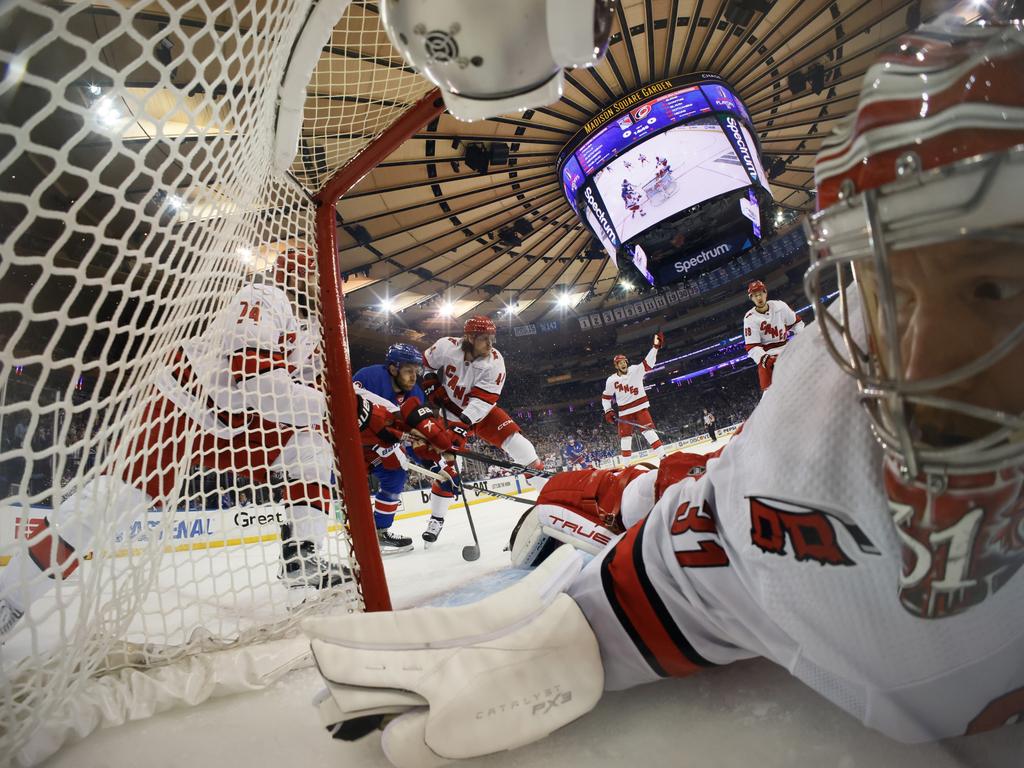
<point>767,333</point>
<point>790,548</point>
<point>627,390</point>
<point>475,386</point>
<point>255,357</point>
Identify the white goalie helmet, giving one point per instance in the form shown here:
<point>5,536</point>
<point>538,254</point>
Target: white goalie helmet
<point>495,57</point>
<point>926,177</point>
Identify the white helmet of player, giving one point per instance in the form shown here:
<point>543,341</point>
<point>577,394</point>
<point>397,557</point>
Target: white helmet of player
<point>493,57</point>
<point>923,182</point>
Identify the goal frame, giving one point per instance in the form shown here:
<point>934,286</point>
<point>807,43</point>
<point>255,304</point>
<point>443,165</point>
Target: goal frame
<point>341,395</point>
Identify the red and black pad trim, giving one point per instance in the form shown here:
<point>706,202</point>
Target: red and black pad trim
<point>313,495</point>
<point>641,611</point>
<point>47,553</point>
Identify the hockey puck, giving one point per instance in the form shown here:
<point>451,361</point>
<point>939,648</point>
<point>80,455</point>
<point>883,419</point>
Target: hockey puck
<point>470,552</point>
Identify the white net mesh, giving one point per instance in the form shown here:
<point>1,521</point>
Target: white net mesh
<point>167,481</point>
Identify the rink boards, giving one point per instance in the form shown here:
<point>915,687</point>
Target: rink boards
<point>185,530</point>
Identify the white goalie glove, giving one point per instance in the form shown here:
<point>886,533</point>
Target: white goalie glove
<point>453,683</point>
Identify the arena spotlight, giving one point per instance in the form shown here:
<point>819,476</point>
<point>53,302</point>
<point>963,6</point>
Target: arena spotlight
<point>446,309</point>
<point>565,300</point>
<point>386,305</point>
<point>175,202</point>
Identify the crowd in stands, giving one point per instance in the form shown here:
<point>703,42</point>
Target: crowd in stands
<point>677,410</point>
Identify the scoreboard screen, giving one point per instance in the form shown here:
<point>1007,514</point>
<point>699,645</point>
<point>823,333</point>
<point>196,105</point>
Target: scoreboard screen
<point>671,185</point>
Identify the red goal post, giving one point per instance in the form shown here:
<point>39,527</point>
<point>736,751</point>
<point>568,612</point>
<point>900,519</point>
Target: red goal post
<point>342,402</point>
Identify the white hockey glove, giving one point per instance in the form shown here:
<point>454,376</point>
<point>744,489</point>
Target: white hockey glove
<point>453,683</point>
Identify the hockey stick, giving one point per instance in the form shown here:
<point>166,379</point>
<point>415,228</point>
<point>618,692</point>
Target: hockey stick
<point>470,552</point>
<point>672,437</point>
<point>414,467</point>
<point>485,459</point>
<point>498,494</point>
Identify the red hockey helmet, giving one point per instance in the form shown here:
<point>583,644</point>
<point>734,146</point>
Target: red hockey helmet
<point>924,181</point>
<point>617,358</point>
<point>479,324</point>
<point>755,286</point>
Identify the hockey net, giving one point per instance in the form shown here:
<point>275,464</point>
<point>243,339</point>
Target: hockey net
<point>158,158</point>
<point>660,188</point>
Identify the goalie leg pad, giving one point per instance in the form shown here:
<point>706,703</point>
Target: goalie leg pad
<point>493,675</point>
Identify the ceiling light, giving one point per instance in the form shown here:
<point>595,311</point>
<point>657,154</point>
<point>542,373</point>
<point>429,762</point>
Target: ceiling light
<point>245,254</point>
<point>106,113</point>
<point>565,300</point>
<point>626,285</point>
<point>446,309</point>
<point>386,305</point>
<point>175,202</point>
<point>94,89</point>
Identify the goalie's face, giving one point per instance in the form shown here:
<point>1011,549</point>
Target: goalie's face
<point>405,375</point>
<point>947,310</point>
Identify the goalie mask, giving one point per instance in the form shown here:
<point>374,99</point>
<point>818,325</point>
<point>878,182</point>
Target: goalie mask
<point>494,57</point>
<point>919,199</point>
<point>919,202</point>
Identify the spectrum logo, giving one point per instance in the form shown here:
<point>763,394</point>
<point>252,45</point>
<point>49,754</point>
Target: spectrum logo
<point>741,146</point>
<point>601,217</point>
<point>682,267</point>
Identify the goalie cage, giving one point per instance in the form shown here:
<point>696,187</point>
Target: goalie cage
<point>660,188</point>
<point>151,168</point>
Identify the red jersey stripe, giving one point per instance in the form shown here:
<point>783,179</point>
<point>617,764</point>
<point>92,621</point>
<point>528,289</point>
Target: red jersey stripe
<point>481,394</point>
<point>252,362</point>
<point>643,615</point>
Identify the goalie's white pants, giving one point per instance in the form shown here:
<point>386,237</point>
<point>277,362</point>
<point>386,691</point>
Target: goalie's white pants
<point>106,506</point>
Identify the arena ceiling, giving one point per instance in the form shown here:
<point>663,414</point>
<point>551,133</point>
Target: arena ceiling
<point>426,239</point>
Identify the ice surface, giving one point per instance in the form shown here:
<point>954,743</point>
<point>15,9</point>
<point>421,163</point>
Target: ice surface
<point>752,713</point>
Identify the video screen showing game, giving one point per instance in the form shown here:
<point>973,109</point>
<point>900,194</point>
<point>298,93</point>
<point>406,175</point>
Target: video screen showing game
<point>668,173</point>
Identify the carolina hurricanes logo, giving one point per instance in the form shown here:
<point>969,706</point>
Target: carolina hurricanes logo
<point>958,546</point>
<point>627,389</point>
<point>809,535</point>
<point>770,330</point>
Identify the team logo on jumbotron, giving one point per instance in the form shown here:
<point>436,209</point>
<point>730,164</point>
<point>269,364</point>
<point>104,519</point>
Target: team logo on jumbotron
<point>742,148</point>
<point>684,266</point>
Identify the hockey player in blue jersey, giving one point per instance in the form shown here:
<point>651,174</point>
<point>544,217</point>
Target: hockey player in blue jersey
<point>394,381</point>
<point>575,454</point>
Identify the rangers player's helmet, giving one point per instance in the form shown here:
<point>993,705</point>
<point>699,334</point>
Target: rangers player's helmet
<point>398,354</point>
<point>479,324</point>
<point>755,286</point>
<point>931,162</point>
<point>617,358</point>
<point>493,57</point>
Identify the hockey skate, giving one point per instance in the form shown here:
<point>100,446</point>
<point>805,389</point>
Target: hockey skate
<point>302,567</point>
<point>433,530</point>
<point>9,616</point>
<point>392,543</point>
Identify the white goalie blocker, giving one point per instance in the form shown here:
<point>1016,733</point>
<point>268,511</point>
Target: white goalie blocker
<point>461,682</point>
<point>495,57</point>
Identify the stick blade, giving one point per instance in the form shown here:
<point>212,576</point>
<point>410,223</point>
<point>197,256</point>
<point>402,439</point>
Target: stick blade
<point>470,552</point>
